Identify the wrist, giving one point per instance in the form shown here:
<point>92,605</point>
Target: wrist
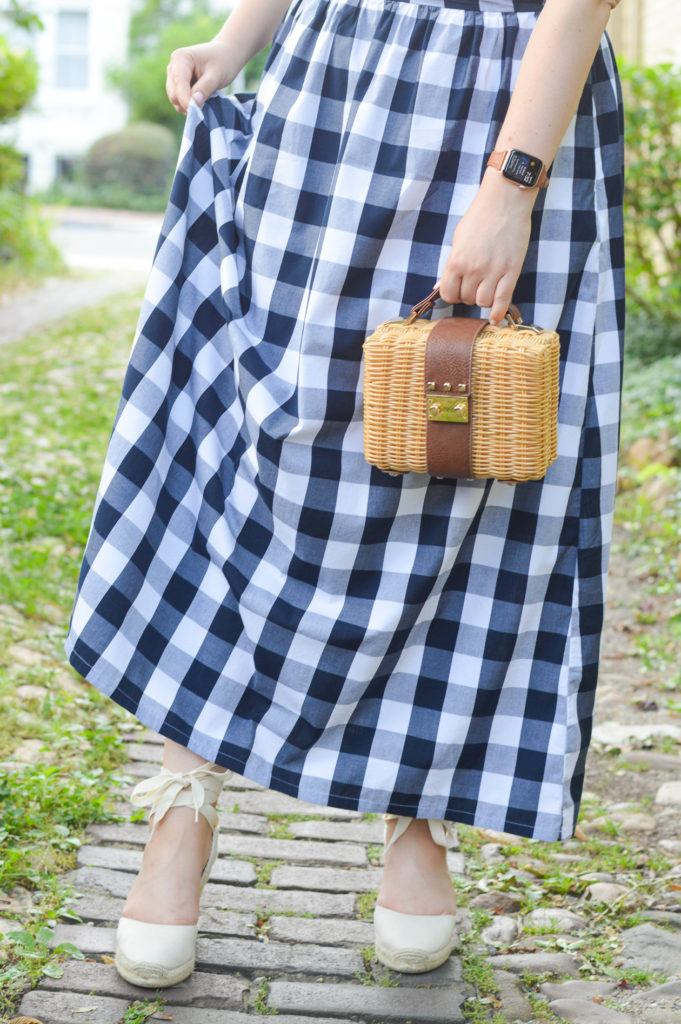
<point>495,186</point>
<point>225,53</point>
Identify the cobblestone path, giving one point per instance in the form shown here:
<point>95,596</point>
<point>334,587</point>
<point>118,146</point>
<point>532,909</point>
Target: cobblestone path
<point>294,947</point>
<point>286,924</point>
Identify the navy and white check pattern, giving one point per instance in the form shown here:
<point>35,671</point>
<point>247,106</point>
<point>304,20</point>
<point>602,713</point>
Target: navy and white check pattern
<point>251,587</point>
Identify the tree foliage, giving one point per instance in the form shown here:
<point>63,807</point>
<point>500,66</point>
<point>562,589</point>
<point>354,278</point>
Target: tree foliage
<point>143,80</point>
<point>151,18</point>
<point>653,190</point>
<point>23,236</point>
<point>18,79</point>
<point>17,13</point>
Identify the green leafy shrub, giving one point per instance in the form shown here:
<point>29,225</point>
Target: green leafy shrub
<point>18,80</point>
<point>11,167</point>
<point>652,199</point>
<point>143,79</point>
<point>24,235</point>
<point>140,159</point>
<point>25,246</point>
<point>155,31</point>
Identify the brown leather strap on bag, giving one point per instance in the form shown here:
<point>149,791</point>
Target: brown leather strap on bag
<point>425,305</point>
<point>449,399</point>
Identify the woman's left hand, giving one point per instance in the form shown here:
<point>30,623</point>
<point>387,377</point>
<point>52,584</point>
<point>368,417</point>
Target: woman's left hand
<point>489,247</point>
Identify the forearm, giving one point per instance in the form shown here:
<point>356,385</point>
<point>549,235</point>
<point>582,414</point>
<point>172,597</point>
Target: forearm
<point>251,26</point>
<point>552,75</point>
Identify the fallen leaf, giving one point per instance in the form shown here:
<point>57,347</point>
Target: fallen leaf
<point>108,959</point>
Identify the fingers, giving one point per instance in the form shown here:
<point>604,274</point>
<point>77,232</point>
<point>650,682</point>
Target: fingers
<point>487,294</point>
<point>474,291</point>
<point>503,296</point>
<point>179,77</point>
<point>205,87</point>
<point>450,287</point>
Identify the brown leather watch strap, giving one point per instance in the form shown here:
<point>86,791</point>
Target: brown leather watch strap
<point>496,161</point>
<point>449,399</point>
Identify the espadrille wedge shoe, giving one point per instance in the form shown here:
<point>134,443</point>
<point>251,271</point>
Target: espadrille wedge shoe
<point>413,943</point>
<point>159,955</point>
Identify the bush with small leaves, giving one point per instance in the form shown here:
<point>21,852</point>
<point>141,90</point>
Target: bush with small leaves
<point>139,159</point>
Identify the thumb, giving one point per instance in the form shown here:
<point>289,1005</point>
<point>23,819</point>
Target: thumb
<point>205,87</point>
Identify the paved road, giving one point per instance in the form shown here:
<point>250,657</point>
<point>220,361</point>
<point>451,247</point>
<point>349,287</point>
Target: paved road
<point>115,246</point>
<point>106,240</point>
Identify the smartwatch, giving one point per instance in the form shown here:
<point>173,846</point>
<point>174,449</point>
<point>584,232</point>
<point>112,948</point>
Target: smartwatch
<point>522,169</point>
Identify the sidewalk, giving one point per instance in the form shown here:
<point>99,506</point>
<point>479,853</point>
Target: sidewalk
<point>59,298</point>
<point>117,246</point>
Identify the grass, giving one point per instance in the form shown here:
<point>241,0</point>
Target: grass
<point>484,1006</point>
<point>141,1010</point>
<point>280,824</point>
<point>364,905</point>
<point>260,1005</point>
<point>58,395</point>
<point>649,509</point>
<point>263,871</point>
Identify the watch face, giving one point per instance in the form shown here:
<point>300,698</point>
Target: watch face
<point>522,168</point>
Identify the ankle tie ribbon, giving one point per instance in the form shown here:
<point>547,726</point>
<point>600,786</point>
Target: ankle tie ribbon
<point>196,788</point>
<point>443,832</point>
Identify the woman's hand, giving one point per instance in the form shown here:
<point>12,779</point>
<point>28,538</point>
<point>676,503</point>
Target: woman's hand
<point>489,247</point>
<point>197,71</point>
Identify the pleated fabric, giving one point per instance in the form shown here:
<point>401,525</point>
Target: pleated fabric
<point>251,587</point>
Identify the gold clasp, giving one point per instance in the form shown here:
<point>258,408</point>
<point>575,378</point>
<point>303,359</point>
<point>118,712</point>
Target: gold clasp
<point>448,408</point>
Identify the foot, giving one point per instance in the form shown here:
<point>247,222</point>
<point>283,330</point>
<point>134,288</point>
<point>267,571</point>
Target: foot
<point>166,891</point>
<point>416,879</point>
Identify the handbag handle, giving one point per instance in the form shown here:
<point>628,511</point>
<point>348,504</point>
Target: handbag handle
<point>513,314</point>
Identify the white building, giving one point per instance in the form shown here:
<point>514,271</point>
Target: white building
<point>75,103</point>
<point>647,31</point>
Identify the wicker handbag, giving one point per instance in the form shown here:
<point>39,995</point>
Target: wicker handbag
<point>460,397</point>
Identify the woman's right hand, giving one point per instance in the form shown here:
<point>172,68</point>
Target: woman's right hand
<point>195,72</point>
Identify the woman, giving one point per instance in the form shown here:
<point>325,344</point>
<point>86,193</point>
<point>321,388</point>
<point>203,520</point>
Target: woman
<point>254,590</point>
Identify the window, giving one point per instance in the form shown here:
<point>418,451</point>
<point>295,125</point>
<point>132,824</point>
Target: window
<point>65,169</point>
<point>72,50</point>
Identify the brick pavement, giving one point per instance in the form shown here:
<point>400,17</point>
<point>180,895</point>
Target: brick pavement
<point>281,926</point>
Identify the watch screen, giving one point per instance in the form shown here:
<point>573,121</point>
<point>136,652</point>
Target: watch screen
<point>522,168</point>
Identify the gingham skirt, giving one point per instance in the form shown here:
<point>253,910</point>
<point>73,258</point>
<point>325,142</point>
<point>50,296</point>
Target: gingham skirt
<point>251,587</point>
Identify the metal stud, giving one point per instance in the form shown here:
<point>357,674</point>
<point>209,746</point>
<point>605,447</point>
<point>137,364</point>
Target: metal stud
<point>431,385</point>
<point>447,386</point>
<point>462,387</point>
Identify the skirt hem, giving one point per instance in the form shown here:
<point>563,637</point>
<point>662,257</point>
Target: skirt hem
<point>362,804</point>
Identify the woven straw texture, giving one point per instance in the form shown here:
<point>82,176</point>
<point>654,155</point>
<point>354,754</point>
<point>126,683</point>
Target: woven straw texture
<point>514,404</point>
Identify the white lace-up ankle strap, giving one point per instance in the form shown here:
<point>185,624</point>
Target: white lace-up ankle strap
<point>198,788</point>
<point>443,832</point>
